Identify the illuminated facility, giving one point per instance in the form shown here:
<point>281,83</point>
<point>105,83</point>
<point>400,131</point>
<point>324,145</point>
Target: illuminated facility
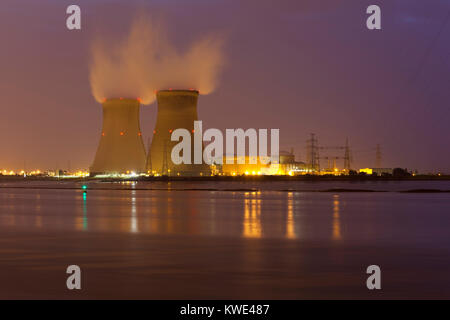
<point>121,150</point>
<point>176,109</point>
<point>286,166</point>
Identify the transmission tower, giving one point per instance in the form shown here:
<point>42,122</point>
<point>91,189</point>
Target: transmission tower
<point>378,157</point>
<point>347,162</point>
<point>312,151</point>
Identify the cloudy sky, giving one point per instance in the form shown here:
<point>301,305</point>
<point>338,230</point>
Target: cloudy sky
<point>303,66</point>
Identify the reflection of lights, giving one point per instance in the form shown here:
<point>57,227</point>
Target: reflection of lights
<point>252,217</point>
<point>81,221</point>
<point>134,220</point>
<point>290,230</point>
<point>85,219</point>
<point>336,218</point>
<point>38,221</point>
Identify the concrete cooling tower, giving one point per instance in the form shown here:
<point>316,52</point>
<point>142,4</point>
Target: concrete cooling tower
<point>121,149</point>
<point>176,109</point>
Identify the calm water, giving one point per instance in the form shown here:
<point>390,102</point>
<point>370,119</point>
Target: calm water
<point>224,240</point>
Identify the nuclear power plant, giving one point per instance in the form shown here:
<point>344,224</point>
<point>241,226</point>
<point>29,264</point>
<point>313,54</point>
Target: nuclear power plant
<point>121,149</point>
<point>176,109</point>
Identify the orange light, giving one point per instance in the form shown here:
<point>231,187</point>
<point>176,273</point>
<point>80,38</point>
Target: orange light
<point>121,133</point>
<point>170,131</point>
<point>139,134</point>
<point>103,134</point>
<point>193,130</point>
<point>121,98</point>
<point>154,131</point>
<point>139,99</point>
<point>170,89</point>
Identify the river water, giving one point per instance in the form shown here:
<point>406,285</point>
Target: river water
<point>224,240</point>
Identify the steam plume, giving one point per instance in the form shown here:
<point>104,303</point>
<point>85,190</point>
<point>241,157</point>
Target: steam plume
<point>146,61</point>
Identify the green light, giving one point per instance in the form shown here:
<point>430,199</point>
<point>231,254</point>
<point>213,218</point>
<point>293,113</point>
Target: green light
<point>84,187</point>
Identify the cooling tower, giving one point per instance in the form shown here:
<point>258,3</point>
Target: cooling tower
<point>176,109</point>
<point>121,149</point>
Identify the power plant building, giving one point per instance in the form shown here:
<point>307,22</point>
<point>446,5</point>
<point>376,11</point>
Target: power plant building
<point>176,109</point>
<point>121,149</point>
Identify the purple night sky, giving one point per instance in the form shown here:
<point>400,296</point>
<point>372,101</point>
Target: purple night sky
<point>301,66</point>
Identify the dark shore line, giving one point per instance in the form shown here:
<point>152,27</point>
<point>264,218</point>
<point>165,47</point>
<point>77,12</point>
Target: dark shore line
<point>264,179</point>
<point>242,178</point>
<point>426,191</point>
<point>334,190</point>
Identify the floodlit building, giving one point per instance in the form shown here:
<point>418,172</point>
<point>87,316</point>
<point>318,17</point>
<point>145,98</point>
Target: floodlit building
<point>377,171</point>
<point>286,166</point>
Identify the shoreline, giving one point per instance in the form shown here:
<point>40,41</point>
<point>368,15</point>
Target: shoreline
<point>315,178</point>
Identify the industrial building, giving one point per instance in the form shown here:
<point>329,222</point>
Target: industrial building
<point>121,149</point>
<point>377,171</point>
<point>286,166</point>
<point>176,109</point>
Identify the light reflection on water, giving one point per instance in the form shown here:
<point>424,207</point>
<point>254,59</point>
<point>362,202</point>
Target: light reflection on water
<point>134,218</point>
<point>318,242</point>
<point>252,216</point>
<point>336,219</point>
<point>290,223</point>
<point>261,214</point>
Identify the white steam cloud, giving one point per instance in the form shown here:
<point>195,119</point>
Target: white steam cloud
<point>146,61</point>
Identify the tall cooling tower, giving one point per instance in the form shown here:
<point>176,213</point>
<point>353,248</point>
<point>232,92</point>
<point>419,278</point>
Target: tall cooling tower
<point>176,109</point>
<point>121,149</point>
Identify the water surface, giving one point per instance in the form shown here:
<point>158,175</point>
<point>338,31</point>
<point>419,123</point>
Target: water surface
<point>224,240</point>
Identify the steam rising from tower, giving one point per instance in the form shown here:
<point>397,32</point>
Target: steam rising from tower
<point>146,61</point>
<point>138,66</point>
<point>121,149</point>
